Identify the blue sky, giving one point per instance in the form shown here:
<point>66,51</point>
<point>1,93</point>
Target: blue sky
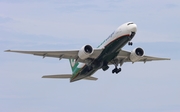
<point>69,24</point>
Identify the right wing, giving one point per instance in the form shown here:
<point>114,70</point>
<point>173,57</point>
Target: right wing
<point>70,54</point>
<point>123,56</point>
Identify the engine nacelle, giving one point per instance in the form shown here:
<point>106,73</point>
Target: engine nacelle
<point>85,52</point>
<point>136,54</point>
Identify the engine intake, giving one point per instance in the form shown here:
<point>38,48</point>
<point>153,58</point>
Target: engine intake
<point>85,52</point>
<point>136,54</point>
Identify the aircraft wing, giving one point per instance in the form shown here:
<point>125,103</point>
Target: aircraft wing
<point>123,56</point>
<point>70,54</point>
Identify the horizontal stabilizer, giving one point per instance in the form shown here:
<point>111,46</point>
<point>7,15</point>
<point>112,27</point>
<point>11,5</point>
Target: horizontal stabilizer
<point>90,78</point>
<point>67,76</point>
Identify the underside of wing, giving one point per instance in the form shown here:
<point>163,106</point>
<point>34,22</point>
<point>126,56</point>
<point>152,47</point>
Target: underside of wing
<point>56,54</point>
<point>124,56</point>
<point>151,58</point>
<point>69,54</point>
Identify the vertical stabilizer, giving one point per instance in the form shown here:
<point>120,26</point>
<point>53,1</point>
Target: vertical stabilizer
<point>73,64</point>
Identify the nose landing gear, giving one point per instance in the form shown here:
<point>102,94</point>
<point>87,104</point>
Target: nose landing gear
<point>130,43</point>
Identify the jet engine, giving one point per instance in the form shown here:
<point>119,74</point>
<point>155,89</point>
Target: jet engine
<point>85,52</point>
<point>136,54</point>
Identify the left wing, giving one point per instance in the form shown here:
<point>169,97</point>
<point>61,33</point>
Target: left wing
<point>70,54</point>
<point>123,56</point>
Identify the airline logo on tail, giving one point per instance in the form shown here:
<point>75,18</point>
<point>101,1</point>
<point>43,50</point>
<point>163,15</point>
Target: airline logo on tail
<point>73,64</point>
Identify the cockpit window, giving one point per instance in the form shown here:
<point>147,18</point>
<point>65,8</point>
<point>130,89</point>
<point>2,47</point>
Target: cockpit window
<point>130,23</point>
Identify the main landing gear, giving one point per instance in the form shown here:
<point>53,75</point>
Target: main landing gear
<point>116,69</point>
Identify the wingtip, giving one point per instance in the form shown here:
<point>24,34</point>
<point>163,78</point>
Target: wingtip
<point>168,58</point>
<point>44,76</point>
<point>7,51</point>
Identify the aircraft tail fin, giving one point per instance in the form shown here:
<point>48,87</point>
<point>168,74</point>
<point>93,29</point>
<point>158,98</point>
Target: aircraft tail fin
<point>73,64</point>
<point>66,76</point>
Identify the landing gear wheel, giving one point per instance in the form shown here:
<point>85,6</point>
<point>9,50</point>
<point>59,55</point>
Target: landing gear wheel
<point>130,43</point>
<point>119,70</point>
<point>116,70</point>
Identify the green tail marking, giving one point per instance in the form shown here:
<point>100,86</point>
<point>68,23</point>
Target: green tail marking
<point>73,64</point>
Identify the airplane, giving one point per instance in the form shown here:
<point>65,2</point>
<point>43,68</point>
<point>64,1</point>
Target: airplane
<point>87,60</point>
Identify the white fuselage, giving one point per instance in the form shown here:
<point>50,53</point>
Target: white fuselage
<point>124,29</point>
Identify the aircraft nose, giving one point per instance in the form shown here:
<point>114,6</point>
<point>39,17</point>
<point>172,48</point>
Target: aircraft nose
<point>132,27</point>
